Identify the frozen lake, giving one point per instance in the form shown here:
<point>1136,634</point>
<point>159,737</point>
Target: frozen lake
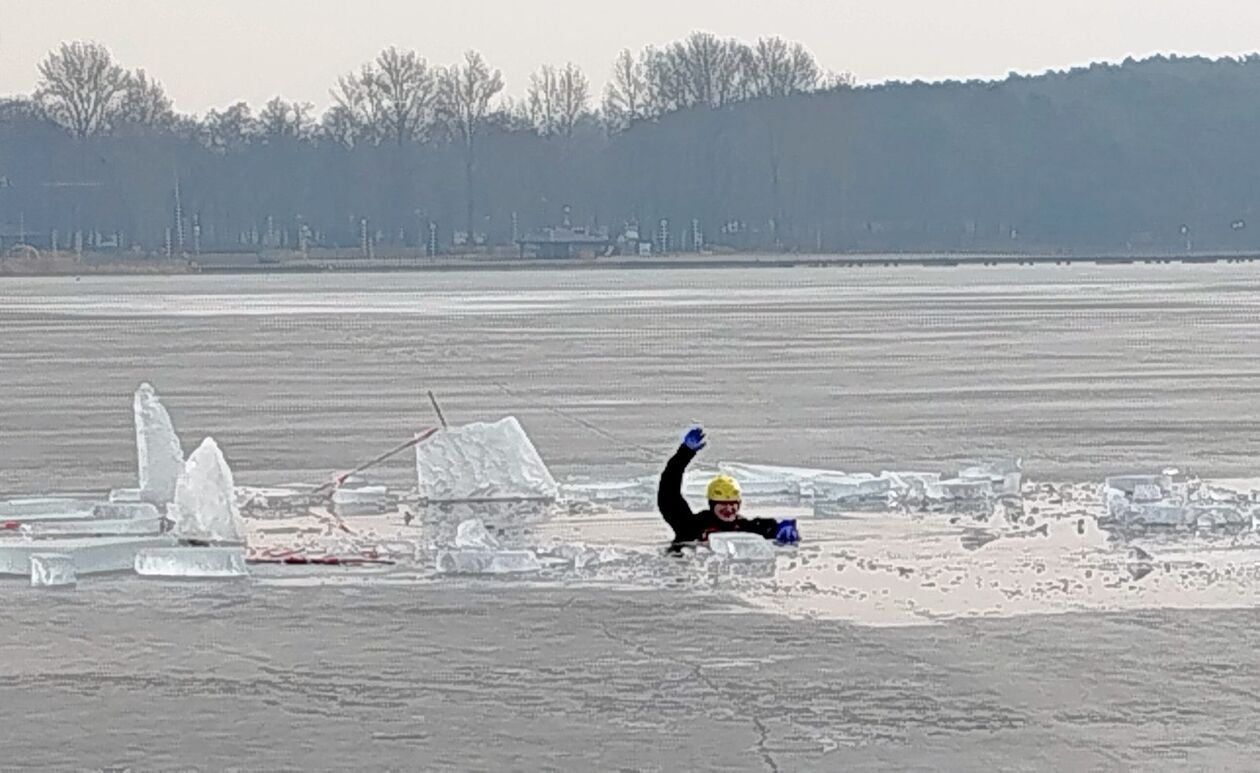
<point>1083,371</point>
<point>1079,369</point>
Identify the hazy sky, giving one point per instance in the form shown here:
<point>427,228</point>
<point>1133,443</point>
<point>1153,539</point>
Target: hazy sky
<point>210,53</point>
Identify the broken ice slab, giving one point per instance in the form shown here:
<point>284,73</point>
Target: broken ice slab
<point>159,456</point>
<point>91,554</point>
<point>191,562</point>
<point>474,561</point>
<point>360,495</point>
<point>51,570</point>
<point>1157,514</point>
<point>1147,492</point>
<point>641,490</point>
<point>482,461</point>
<point>95,527</point>
<point>124,495</point>
<point>960,490</point>
<point>472,533</point>
<point>741,546</point>
<point>1129,483</point>
<point>1004,476</point>
<point>29,509</point>
<point>205,507</point>
<point>852,489</point>
<point>1215,516</point>
<point>772,481</point>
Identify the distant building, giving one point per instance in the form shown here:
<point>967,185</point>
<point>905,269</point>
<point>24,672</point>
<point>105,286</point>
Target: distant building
<point>565,242</point>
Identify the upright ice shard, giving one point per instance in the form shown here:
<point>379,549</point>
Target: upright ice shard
<point>160,457</point>
<point>205,500</point>
<point>482,461</point>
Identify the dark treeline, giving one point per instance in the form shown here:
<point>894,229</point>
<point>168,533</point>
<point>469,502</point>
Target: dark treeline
<point>752,143</point>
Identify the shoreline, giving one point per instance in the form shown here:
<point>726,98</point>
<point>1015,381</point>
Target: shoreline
<point>252,264</point>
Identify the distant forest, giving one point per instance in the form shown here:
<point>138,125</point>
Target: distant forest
<point>745,145</point>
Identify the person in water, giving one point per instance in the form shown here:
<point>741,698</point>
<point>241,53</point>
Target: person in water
<point>724,503</point>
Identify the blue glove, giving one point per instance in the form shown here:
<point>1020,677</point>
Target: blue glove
<point>694,439</point>
<point>787,534</point>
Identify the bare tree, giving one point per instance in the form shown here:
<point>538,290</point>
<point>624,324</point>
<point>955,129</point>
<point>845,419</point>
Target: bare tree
<point>390,98</point>
<point>708,70</point>
<point>80,86</point>
<point>144,102</point>
<point>230,129</point>
<point>626,96</point>
<point>777,68</point>
<point>557,99</point>
<point>466,92</point>
<point>285,119</point>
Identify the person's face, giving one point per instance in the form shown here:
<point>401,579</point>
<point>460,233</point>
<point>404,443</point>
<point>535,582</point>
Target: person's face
<point>726,511</point>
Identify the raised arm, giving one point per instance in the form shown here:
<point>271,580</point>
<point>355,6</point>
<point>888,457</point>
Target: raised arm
<point>669,497</point>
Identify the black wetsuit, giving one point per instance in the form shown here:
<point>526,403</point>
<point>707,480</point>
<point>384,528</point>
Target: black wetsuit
<point>694,527</point>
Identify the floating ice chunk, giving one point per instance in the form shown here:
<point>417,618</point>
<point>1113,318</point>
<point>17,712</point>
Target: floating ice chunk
<point>956,490</point>
<point>1147,492</point>
<point>472,533</point>
<point>487,562</point>
<point>91,554</point>
<point>205,499</point>
<point>740,546</point>
<point>857,488</point>
<point>911,487</point>
<point>31,509</point>
<point>51,570</point>
<point>1004,476</point>
<point>191,562</point>
<point>125,495</point>
<point>482,461</point>
<point>764,480</point>
<point>361,495</point>
<point>161,460</point>
<point>1157,514</point>
<point>628,491</point>
<point>1129,483</point>
<point>97,527</point>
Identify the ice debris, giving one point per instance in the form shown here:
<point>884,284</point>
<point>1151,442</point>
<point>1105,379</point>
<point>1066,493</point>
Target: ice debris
<point>740,546</point>
<point>52,570</point>
<point>474,561</point>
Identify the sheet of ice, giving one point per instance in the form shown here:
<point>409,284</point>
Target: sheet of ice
<point>52,570</point>
<point>860,487</point>
<point>90,554</point>
<point>636,491</point>
<point>360,495</point>
<point>205,499</point>
<point>161,460</point>
<point>95,527</point>
<point>204,562</point>
<point>740,546</point>
<point>1129,483</point>
<point>472,533</point>
<point>474,561</point>
<point>30,509</point>
<point>482,461</point>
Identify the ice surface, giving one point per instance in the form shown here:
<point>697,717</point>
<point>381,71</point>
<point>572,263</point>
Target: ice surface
<point>462,561</point>
<point>191,562</point>
<point>741,546</point>
<point>1157,514</point>
<point>958,489</point>
<point>472,533</point>
<point>860,487</point>
<point>161,460</point>
<point>50,570</point>
<point>360,495</point>
<point>205,499</point>
<point>637,491</point>
<point>1147,492</point>
<point>90,554</point>
<point>482,461</point>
